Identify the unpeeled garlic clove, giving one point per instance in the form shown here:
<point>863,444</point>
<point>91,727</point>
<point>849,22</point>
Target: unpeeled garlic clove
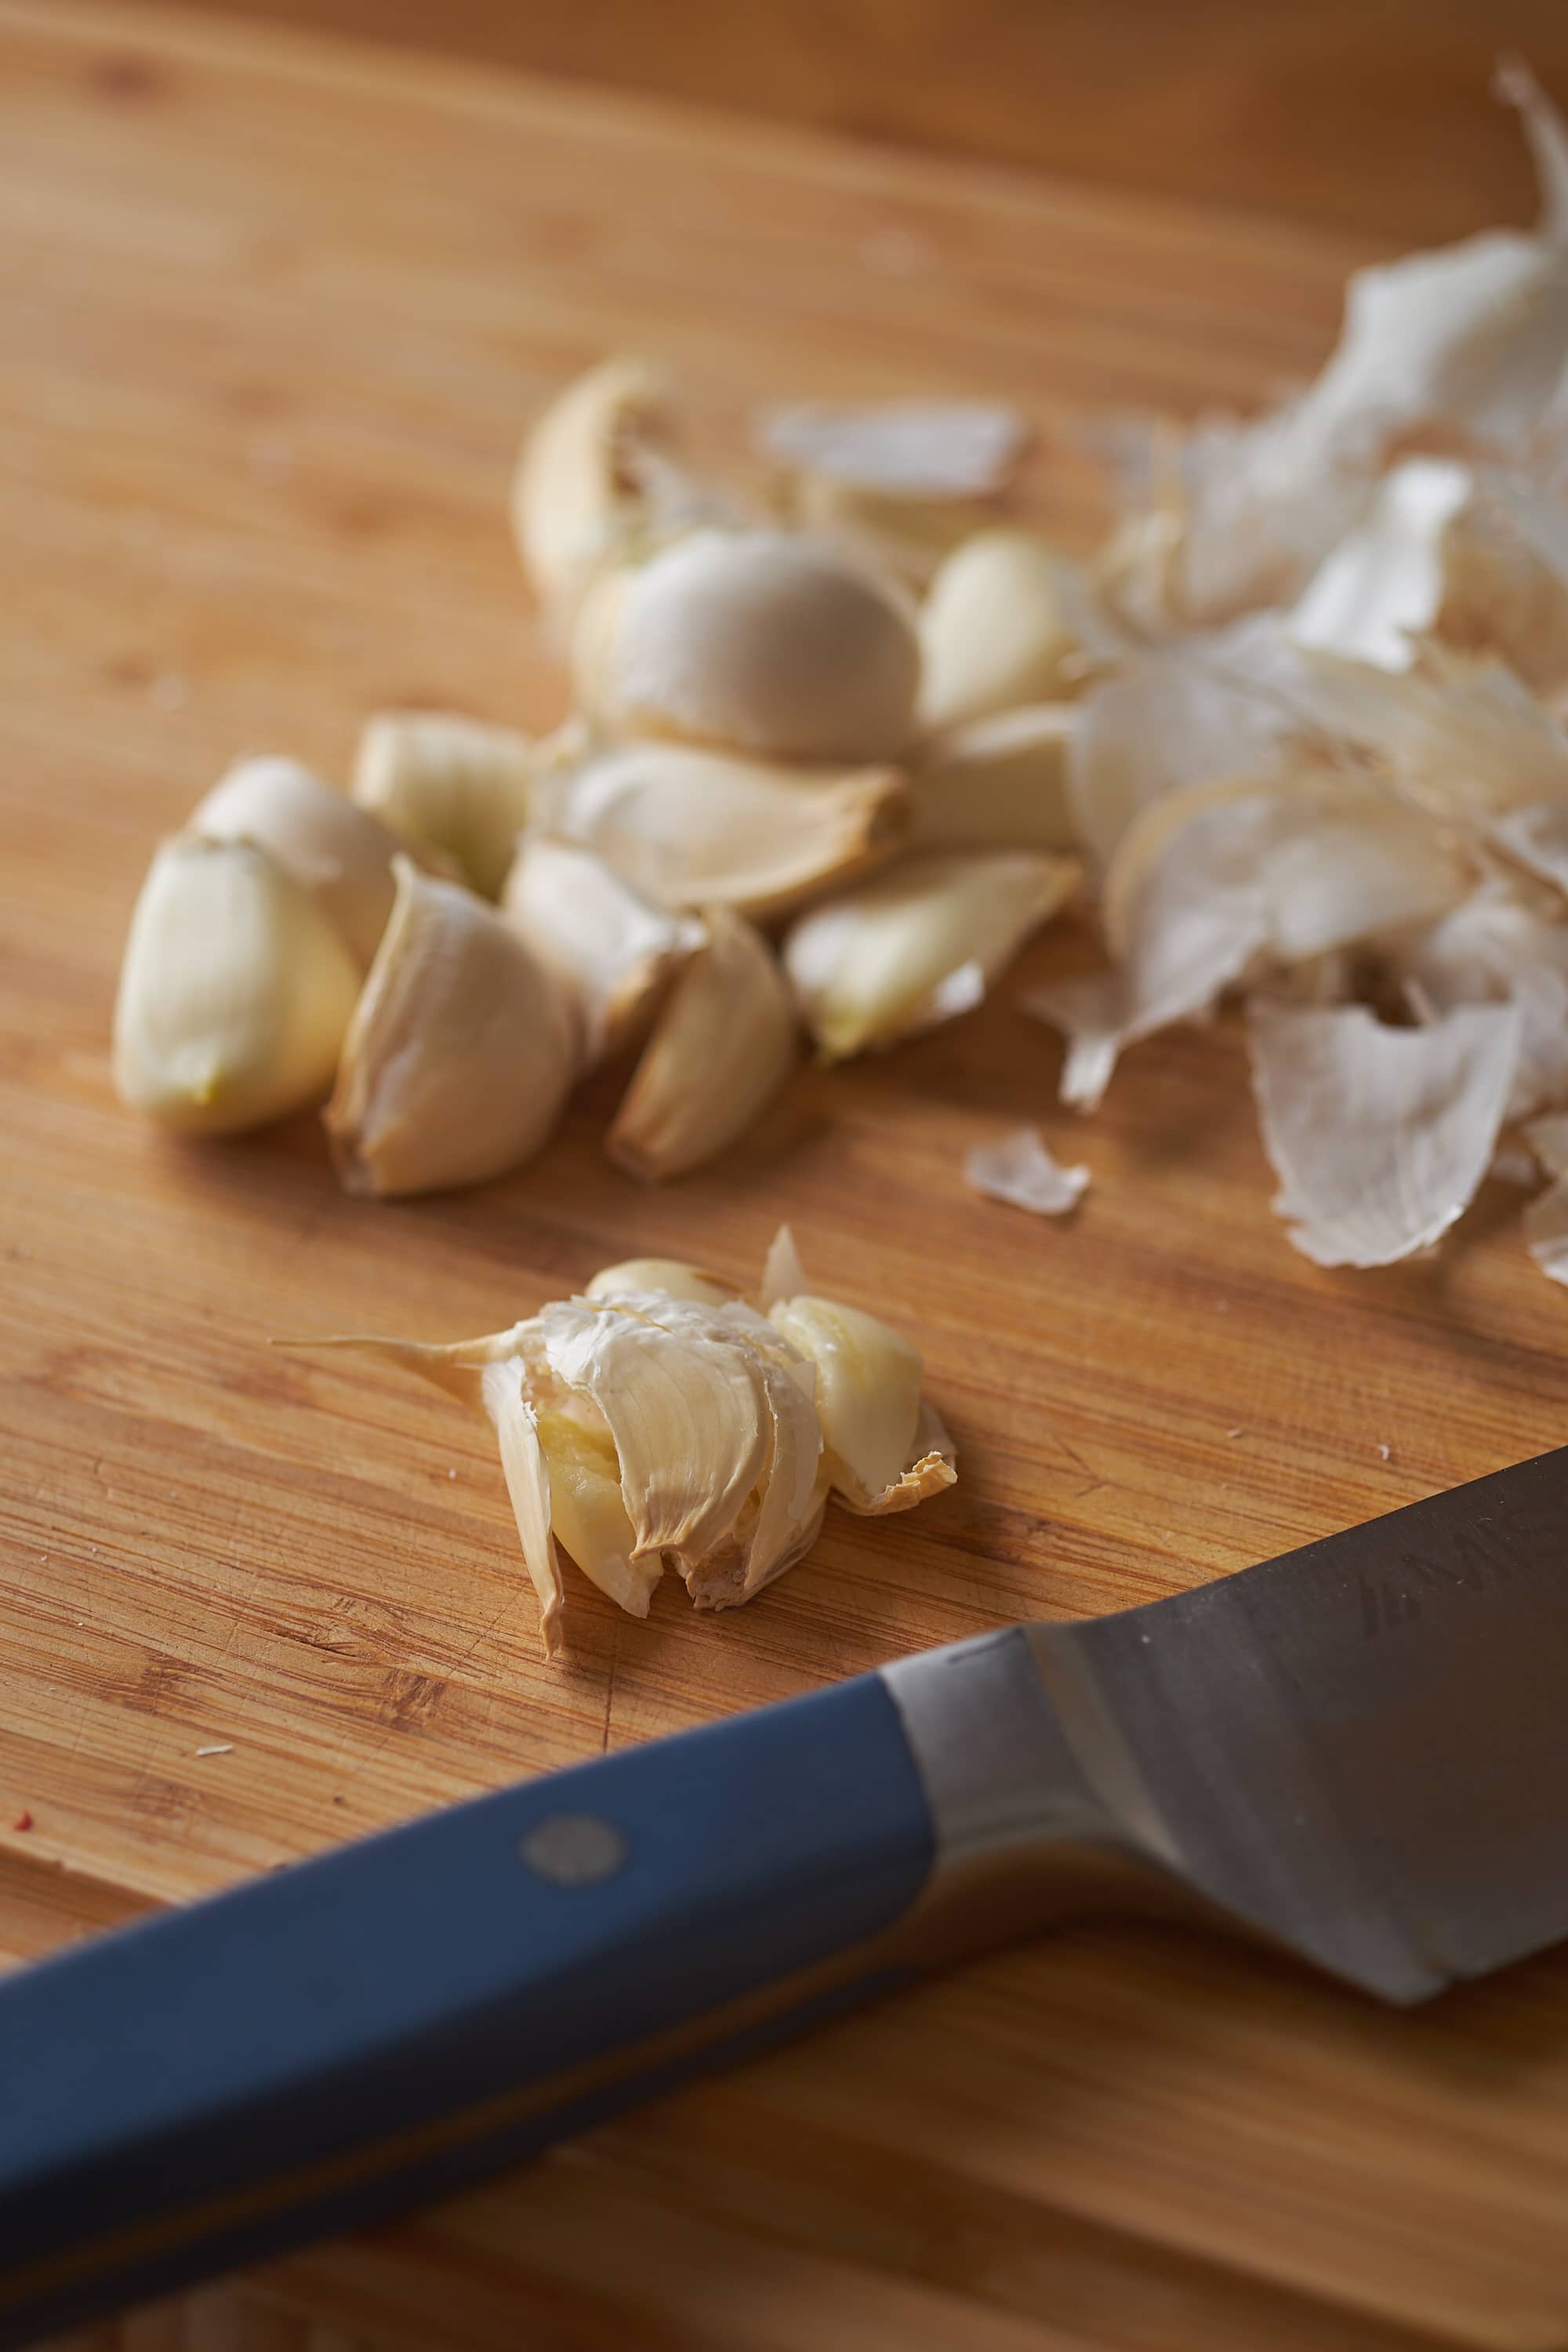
<point>753,640</point>
<point>918,945</point>
<point>721,1048</point>
<point>868,1393</point>
<point>235,992</point>
<point>997,784</point>
<point>461,1050</point>
<point>580,480</point>
<point>341,854</point>
<point>611,947</point>
<point>994,630</point>
<point>697,828</point>
<point>448,784</point>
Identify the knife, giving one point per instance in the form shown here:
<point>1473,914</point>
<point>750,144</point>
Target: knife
<point>1358,1752</point>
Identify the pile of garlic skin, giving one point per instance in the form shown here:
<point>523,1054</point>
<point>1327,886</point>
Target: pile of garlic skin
<point>662,1420</point>
<point>834,757</point>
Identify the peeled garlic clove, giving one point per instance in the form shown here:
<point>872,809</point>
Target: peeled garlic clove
<point>869,1403</point>
<point>341,854</point>
<point>997,784</point>
<point>579,483</point>
<point>460,1053</point>
<point>918,945</point>
<point>702,828</point>
<point>611,947</point>
<point>721,1048</point>
<point>669,1277</point>
<point>450,784</point>
<point>753,640</point>
<point>994,630</point>
<point>235,992</point>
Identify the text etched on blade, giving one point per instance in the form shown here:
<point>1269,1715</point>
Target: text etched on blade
<point>1480,1559</point>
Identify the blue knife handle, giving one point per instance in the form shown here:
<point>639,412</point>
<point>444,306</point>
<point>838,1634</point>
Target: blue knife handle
<point>334,2042</point>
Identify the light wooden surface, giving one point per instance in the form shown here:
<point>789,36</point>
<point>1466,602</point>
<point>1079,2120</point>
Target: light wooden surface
<point>1368,117</point>
<point>274,315</point>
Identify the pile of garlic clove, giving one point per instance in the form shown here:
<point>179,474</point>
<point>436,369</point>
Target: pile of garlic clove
<point>787,800</point>
<point>662,1420</point>
<point>1300,725</point>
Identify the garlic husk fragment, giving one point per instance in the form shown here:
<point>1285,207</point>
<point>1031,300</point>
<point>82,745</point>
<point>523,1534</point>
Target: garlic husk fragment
<point>1380,1137</point>
<point>753,641</point>
<point>1493,948</point>
<point>997,784</point>
<point>448,784</point>
<point>615,950</point>
<point>883,1449</point>
<point>995,632</point>
<point>918,945</point>
<point>721,1048</point>
<point>460,1053</point>
<point>1464,739</point>
<point>783,1276</point>
<point>669,1277</point>
<point>583,480</point>
<point>528,1486</point>
<point>1546,1217</point>
<point>1437,556</point>
<point>341,854</point>
<point>693,829</point>
<point>235,992</point>
<point>1089,1011</point>
<point>904,483</point>
<point>1021,1171</point>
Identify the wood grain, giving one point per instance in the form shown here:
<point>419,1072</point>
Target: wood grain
<point>1368,117</point>
<point>275,312</point>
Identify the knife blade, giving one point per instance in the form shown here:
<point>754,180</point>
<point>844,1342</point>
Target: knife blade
<point>1356,1751</point>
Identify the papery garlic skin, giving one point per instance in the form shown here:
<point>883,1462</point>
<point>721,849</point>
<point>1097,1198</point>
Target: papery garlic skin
<point>235,992</point>
<point>448,784</point>
<point>460,1053</point>
<point>339,853</point>
<point>750,640</point>
<point>994,630</point>
<point>917,945</point>
<point>722,1046</point>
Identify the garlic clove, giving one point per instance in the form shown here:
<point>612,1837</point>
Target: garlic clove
<point>722,1046</point>
<point>586,474</point>
<point>751,640</point>
<point>997,784</point>
<point>461,1050</point>
<point>341,854</point>
<point>614,949</point>
<point>588,1512</point>
<point>235,992</point>
<point>667,1278</point>
<point>693,828</point>
<point>883,1449</point>
<point>915,946</point>
<point>448,784</point>
<point>994,630</point>
<point>527,1477</point>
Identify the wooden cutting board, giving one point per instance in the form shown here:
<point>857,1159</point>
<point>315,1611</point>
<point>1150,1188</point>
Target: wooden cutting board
<point>274,315</point>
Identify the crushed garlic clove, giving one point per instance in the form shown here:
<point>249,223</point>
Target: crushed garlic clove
<point>721,1048</point>
<point>235,993</point>
<point>693,829</point>
<point>753,641</point>
<point>917,945</point>
<point>614,949</point>
<point>460,1053</point>
<point>341,854</point>
<point>448,784</point>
